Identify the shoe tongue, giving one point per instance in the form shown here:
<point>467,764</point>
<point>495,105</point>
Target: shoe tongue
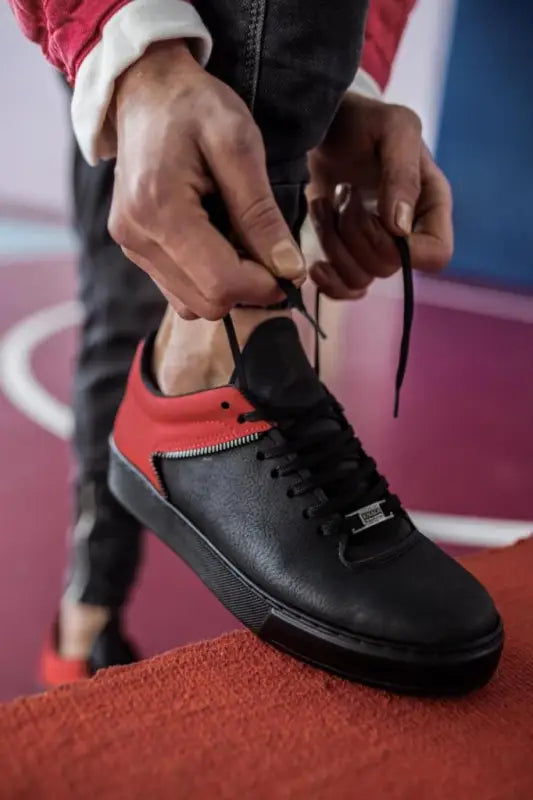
<point>276,368</point>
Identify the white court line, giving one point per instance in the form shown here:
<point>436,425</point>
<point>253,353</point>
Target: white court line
<point>462,297</point>
<point>16,375</point>
<point>23,390</point>
<point>455,529</point>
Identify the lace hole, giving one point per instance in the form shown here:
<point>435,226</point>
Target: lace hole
<point>225,404</point>
<point>274,473</point>
<point>241,419</point>
<point>290,493</point>
<point>260,455</point>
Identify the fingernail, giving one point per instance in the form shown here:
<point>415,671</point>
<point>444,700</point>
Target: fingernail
<point>404,217</point>
<point>287,260</point>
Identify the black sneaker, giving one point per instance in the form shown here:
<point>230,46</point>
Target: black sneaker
<point>263,489</point>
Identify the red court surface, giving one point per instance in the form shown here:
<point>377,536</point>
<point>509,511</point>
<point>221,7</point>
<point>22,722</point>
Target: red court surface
<point>462,445</point>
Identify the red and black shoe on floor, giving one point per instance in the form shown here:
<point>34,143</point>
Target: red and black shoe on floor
<point>110,649</point>
<point>263,489</point>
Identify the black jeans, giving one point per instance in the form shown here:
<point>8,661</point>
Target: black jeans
<point>291,61</point>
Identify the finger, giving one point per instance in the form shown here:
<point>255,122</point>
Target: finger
<point>210,262</point>
<point>399,154</point>
<point>432,240</point>
<point>242,179</point>
<point>364,234</point>
<point>184,298</point>
<point>179,307</point>
<point>335,250</point>
<point>186,313</point>
<point>329,282</point>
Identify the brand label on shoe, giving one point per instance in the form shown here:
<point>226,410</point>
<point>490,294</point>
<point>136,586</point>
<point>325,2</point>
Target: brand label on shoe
<point>370,515</point>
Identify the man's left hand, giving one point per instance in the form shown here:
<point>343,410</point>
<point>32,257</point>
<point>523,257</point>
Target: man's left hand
<point>396,188</point>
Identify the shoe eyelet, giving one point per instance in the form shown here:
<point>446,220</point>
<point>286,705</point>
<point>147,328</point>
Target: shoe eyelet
<point>290,493</point>
<point>274,473</point>
<point>225,404</point>
<point>260,455</point>
<point>240,419</point>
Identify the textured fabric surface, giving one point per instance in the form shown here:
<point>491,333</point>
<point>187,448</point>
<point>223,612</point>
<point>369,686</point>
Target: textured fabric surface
<point>233,718</point>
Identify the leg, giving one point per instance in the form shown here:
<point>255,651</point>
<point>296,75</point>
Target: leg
<point>120,305</point>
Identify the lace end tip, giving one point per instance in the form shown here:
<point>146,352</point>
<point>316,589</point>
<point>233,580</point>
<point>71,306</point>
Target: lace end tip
<point>396,406</point>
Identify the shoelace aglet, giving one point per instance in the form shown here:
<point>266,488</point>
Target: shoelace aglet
<point>408,307</point>
<point>396,403</point>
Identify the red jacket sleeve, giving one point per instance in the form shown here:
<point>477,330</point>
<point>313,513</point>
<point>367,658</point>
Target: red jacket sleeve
<point>386,22</point>
<point>66,30</point>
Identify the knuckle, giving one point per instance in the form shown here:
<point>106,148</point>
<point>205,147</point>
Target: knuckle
<point>376,238</point>
<point>385,269</point>
<point>217,295</point>
<point>182,311</point>
<point>240,133</point>
<point>214,311</point>
<point>407,118</point>
<point>118,228</point>
<point>262,213</point>
<point>406,176</point>
<point>439,258</point>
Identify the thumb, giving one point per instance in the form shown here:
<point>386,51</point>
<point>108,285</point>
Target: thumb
<point>242,179</point>
<point>399,188</point>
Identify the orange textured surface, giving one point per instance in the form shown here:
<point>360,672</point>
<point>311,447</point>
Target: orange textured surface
<point>233,718</point>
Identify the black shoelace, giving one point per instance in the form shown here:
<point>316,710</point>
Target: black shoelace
<point>333,459</point>
<point>330,459</point>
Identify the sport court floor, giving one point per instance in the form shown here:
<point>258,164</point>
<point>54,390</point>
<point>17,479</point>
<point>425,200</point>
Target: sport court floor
<point>462,445</point>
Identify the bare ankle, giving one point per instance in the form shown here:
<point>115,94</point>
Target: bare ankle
<point>79,625</point>
<point>190,356</point>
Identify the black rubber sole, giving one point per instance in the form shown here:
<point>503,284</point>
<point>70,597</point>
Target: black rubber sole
<point>406,669</point>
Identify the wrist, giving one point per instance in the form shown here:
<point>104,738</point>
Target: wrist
<point>155,65</point>
<point>125,37</point>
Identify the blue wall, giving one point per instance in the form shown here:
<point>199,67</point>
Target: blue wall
<point>486,141</point>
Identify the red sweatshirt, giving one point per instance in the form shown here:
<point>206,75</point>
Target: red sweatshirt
<point>93,41</point>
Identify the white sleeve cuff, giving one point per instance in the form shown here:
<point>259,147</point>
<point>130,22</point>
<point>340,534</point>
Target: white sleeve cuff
<point>125,37</point>
<point>364,84</point>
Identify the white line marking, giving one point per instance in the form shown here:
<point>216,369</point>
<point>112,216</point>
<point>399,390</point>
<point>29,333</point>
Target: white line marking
<point>16,376</point>
<point>475,531</point>
<point>461,297</point>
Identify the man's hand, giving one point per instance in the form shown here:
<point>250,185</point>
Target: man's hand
<point>378,149</point>
<point>181,134</point>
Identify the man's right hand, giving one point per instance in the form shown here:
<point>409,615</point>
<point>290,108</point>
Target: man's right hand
<point>182,134</point>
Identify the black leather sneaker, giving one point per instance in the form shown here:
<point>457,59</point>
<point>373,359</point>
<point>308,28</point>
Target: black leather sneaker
<point>263,489</point>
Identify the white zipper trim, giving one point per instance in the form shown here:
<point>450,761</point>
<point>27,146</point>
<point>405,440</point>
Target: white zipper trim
<point>211,448</point>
